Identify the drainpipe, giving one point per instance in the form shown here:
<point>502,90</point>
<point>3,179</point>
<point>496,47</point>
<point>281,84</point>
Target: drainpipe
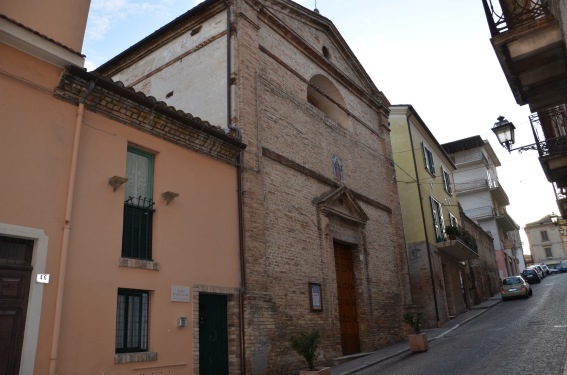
<point>239,162</point>
<point>423,220</point>
<point>66,232</point>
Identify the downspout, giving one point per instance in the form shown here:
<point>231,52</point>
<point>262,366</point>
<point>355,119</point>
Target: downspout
<point>66,232</point>
<point>423,220</point>
<point>239,162</point>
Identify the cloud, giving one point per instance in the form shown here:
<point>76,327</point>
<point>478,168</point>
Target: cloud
<point>106,14</point>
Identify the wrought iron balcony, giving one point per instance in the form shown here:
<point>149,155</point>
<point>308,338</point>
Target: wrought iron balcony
<point>512,14</point>
<point>529,41</point>
<point>459,244</point>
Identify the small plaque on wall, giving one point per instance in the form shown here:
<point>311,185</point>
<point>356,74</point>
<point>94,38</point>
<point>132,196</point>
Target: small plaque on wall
<point>180,293</point>
<point>315,297</point>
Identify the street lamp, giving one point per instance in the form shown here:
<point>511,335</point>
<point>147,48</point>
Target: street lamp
<point>555,220</point>
<point>504,131</point>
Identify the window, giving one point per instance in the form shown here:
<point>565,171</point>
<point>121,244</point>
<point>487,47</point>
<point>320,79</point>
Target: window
<point>447,181</point>
<point>544,235</point>
<point>548,252</point>
<point>428,159</point>
<point>438,220</point>
<point>132,312</point>
<point>138,205</point>
<point>452,220</point>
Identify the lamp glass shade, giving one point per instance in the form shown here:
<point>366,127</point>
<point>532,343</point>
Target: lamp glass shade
<point>554,218</point>
<point>504,131</point>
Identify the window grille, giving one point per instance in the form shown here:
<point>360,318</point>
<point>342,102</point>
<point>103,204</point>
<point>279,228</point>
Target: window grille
<point>137,228</point>
<point>132,318</point>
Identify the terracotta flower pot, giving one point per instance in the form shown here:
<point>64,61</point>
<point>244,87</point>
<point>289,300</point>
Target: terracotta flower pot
<point>418,343</point>
<point>323,371</point>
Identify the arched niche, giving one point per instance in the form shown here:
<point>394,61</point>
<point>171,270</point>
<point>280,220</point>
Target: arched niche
<point>331,102</point>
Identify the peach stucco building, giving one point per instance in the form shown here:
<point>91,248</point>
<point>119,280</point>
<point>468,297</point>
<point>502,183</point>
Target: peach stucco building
<point>119,219</point>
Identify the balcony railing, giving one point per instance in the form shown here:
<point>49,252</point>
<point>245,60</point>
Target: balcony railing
<point>471,158</point>
<point>137,228</point>
<point>478,184</point>
<point>485,212</point>
<point>512,14</point>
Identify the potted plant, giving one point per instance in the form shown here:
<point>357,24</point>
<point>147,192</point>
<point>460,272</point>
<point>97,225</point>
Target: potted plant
<point>452,232</point>
<point>306,345</point>
<point>417,340</point>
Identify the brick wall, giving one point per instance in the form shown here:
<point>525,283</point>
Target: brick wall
<point>292,217</point>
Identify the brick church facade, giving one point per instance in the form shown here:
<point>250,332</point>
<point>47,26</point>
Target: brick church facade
<point>322,240</point>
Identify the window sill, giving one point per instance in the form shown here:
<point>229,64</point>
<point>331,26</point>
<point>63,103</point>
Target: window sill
<point>134,357</point>
<point>139,263</point>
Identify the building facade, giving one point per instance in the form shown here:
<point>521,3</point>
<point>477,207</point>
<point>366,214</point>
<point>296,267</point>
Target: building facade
<point>320,207</point>
<point>528,38</point>
<point>547,244</point>
<point>119,229</point>
<point>484,199</point>
<point>437,263</point>
<point>483,272</point>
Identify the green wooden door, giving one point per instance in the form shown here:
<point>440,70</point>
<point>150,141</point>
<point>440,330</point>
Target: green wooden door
<point>213,335</point>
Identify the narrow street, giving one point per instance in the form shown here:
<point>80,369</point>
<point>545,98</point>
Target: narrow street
<point>514,337</point>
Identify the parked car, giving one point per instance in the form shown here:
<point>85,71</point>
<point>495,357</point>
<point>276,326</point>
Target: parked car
<point>514,287</point>
<point>557,268</point>
<point>545,269</point>
<point>531,276</point>
<point>539,270</point>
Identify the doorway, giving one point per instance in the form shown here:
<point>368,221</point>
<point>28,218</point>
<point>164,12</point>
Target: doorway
<point>213,334</point>
<point>346,297</point>
<point>15,275</point>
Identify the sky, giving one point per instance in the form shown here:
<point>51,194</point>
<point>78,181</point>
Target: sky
<point>433,55</point>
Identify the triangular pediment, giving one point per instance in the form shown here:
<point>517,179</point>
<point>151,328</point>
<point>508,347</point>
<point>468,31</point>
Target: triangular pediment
<point>310,32</point>
<point>341,203</point>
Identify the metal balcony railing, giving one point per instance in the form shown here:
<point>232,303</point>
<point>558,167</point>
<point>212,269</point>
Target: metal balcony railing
<point>481,183</point>
<point>506,15</point>
<point>485,212</point>
<point>137,228</point>
<point>471,158</point>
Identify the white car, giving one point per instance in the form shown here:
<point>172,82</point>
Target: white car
<point>545,269</point>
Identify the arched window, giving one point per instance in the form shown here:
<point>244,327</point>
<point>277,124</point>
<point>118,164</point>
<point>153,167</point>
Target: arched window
<point>323,94</point>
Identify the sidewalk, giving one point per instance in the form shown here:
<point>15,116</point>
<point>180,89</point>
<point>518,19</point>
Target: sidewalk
<point>403,347</point>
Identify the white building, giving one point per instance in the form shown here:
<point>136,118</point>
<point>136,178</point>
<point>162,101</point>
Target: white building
<point>484,199</point>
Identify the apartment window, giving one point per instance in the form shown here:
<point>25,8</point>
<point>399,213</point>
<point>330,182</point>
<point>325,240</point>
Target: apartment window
<point>452,220</point>
<point>544,235</point>
<point>548,252</point>
<point>138,205</point>
<point>428,159</point>
<point>132,317</point>
<point>447,181</point>
<point>438,223</point>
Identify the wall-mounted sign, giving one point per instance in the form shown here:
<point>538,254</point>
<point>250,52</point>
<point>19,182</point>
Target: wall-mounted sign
<point>315,297</point>
<point>180,293</point>
<point>43,278</point>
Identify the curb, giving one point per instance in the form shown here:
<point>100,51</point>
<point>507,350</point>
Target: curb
<point>385,358</point>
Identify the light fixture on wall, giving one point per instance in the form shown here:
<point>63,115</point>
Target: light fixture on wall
<point>116,182</point>
<point>505,132</point>
<point>555,220</point>
<point>168,196</point>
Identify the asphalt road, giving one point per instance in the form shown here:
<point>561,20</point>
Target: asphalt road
<point>517,337</point>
